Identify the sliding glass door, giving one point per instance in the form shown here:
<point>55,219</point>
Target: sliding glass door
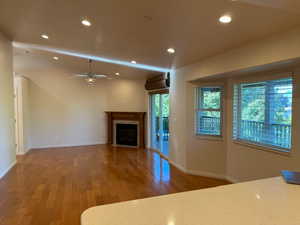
<point>160,122</point>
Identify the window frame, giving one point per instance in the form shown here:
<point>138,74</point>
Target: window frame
<point>199,109</point>
<point>258,145</point>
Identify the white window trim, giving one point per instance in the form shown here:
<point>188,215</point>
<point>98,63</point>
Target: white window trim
<point>261,146</point>
<point>197,109</point>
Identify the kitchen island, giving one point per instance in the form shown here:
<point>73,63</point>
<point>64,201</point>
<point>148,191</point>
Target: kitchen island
<point>261,202</point>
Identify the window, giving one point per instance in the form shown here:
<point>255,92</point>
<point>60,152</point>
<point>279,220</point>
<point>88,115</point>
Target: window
<point>262,113</point>
<point>208,111</point>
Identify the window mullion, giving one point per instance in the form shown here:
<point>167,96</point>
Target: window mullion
<point>267,111</point>
<point>239,111</point>
<point>209,109</point>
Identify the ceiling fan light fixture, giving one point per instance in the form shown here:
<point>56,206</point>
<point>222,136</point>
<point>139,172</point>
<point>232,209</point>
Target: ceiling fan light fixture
<point>91,81</point>
<point>90,77</point>
<point>171,50</point>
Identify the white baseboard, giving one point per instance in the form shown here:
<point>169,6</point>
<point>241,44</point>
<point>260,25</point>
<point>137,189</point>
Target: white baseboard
<point>206,174</point>
<point>21,153</point>
<point>8,169</point>
<point>181,168</point>
<point>232,180</point>
<point>203,173</point>
<point>197,172</point>
<point>24,153</point>
<point>67,145</point>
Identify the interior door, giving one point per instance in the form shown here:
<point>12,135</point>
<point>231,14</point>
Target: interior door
<point>17,127</point>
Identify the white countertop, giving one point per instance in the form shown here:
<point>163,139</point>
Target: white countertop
<point>262,202</point>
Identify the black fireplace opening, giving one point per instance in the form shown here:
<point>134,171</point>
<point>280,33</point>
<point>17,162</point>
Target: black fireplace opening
<point>127,134</point>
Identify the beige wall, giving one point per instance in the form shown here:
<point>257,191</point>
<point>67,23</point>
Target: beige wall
<point>126,95</point>
<point>222,158</point>
<point>177,120</point>
<point>7,137</point>
<point>66,112</point>
<point>203,148</point>
<point>248,163</point>
<point>274,49</point>
<point>194,154</point>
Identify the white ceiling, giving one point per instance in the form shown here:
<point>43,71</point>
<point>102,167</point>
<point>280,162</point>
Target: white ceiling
<point>139,30</point>
<point>286,5</point>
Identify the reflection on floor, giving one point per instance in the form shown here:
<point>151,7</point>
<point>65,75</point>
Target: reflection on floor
<point>164,149</point>
<point>54,186</point>
<point>161,168</point>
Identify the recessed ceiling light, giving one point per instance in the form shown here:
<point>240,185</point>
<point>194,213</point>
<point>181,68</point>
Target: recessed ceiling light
<point>225,19</point>
<point>45,36</point>
<point>134,62</point>
<point>171,50</point>
<point>109,78</point>
<point>118,74</point>
<point>86,23</point>
<point>55,58</point>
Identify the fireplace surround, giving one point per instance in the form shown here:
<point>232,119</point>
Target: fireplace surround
<point>123,126</point>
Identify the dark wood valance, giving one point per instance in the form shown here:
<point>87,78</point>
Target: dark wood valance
<point>158,82</point>
<point>162,91</point>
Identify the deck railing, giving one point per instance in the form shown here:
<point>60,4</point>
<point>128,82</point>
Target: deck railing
<point>269,134</point>
<point>165,128</point>
<point>209,125</point>
<point>273,134</point>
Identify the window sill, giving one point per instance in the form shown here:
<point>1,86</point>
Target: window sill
<point>263,148</point>
<point>209,137</point>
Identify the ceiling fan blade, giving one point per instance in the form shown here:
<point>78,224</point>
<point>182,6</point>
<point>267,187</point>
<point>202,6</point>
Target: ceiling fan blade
<point>81,75</point>
<point>99,76</point>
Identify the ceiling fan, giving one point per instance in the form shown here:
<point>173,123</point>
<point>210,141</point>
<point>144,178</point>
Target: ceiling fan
<point>90,77</point>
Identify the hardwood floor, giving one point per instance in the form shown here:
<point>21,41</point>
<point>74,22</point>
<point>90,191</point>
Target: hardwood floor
<point>54,186</point>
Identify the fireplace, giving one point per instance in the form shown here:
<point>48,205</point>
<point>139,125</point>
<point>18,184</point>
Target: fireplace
<point>126,129</point>
<point>126,133</point>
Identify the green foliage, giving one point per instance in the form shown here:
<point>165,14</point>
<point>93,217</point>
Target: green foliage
<point>165,104</point>
<point>253,103</point>
<point>278,99</point>
<point>211,99</point>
